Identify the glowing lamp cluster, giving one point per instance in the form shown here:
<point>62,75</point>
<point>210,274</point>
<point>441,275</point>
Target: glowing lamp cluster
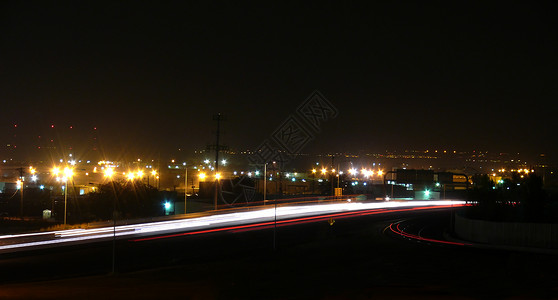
<point>66,173</point>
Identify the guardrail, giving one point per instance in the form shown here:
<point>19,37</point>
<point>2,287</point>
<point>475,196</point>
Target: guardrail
<point>538,235</point>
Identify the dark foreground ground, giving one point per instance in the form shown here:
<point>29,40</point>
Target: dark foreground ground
<point>352,259</point>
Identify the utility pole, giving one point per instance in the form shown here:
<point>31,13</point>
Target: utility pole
<point>332,175</point>
<point>185,186</point>
<point>160,173</point>
<point>265,183</point>
<point>218,117</point>
<point>338,174</point>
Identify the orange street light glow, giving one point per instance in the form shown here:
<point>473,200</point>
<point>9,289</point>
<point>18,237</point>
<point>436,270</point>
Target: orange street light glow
<point>109,172</point>
<point>68,173</point>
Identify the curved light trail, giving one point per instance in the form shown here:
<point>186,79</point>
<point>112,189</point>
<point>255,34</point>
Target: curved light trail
<point>396,228</point>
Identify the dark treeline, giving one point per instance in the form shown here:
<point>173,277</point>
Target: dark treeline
<point>519,198</point>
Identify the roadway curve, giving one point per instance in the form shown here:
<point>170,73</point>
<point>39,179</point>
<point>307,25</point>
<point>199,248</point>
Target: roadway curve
<point>68,253</point>
<point>353,258</point>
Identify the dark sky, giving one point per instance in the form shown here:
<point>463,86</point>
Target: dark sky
<point>150,75</point>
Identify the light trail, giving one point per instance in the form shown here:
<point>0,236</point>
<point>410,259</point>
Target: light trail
<point>395,228</point>
<point>296,221</point>
<point>245,220</point>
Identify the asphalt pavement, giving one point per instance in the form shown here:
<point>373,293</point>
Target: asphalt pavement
<point>349,258</point>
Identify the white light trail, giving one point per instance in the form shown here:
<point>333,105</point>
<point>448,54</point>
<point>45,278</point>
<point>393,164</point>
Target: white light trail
<point>282,212</point>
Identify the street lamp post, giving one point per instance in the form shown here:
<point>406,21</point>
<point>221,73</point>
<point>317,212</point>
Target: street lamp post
<point>217,183</point>
<point>20,185</point>
<point>313,181</point>
<point>109,172</point>
<point>68,173</point>
<point>65,198</point>
<point>185,186</point>
<point>265,183</point>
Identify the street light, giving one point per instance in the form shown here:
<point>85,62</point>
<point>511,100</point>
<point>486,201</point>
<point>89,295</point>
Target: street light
<point>130,176</point>
<point>68,173</point>
<point>55,171</point>
<point>109,172</point>
<point>154,173</point>
<point>19,186</point>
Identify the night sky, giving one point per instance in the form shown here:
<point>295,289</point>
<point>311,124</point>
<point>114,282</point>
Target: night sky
<point>404,75</point>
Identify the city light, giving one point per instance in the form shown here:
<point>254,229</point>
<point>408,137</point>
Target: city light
<point>109,172</point>
<point>55,171</point>
<point>367,173</point>
<point>324,171</point>
<point>218,176</point>
<point>68,173</point>
<point>139,174</point>
<point>130,176</point>
<point>201,176</point>
<point>18,184</point>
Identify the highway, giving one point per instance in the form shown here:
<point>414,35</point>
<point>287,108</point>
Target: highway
<point>355,250</point>
<point>233,220</point>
